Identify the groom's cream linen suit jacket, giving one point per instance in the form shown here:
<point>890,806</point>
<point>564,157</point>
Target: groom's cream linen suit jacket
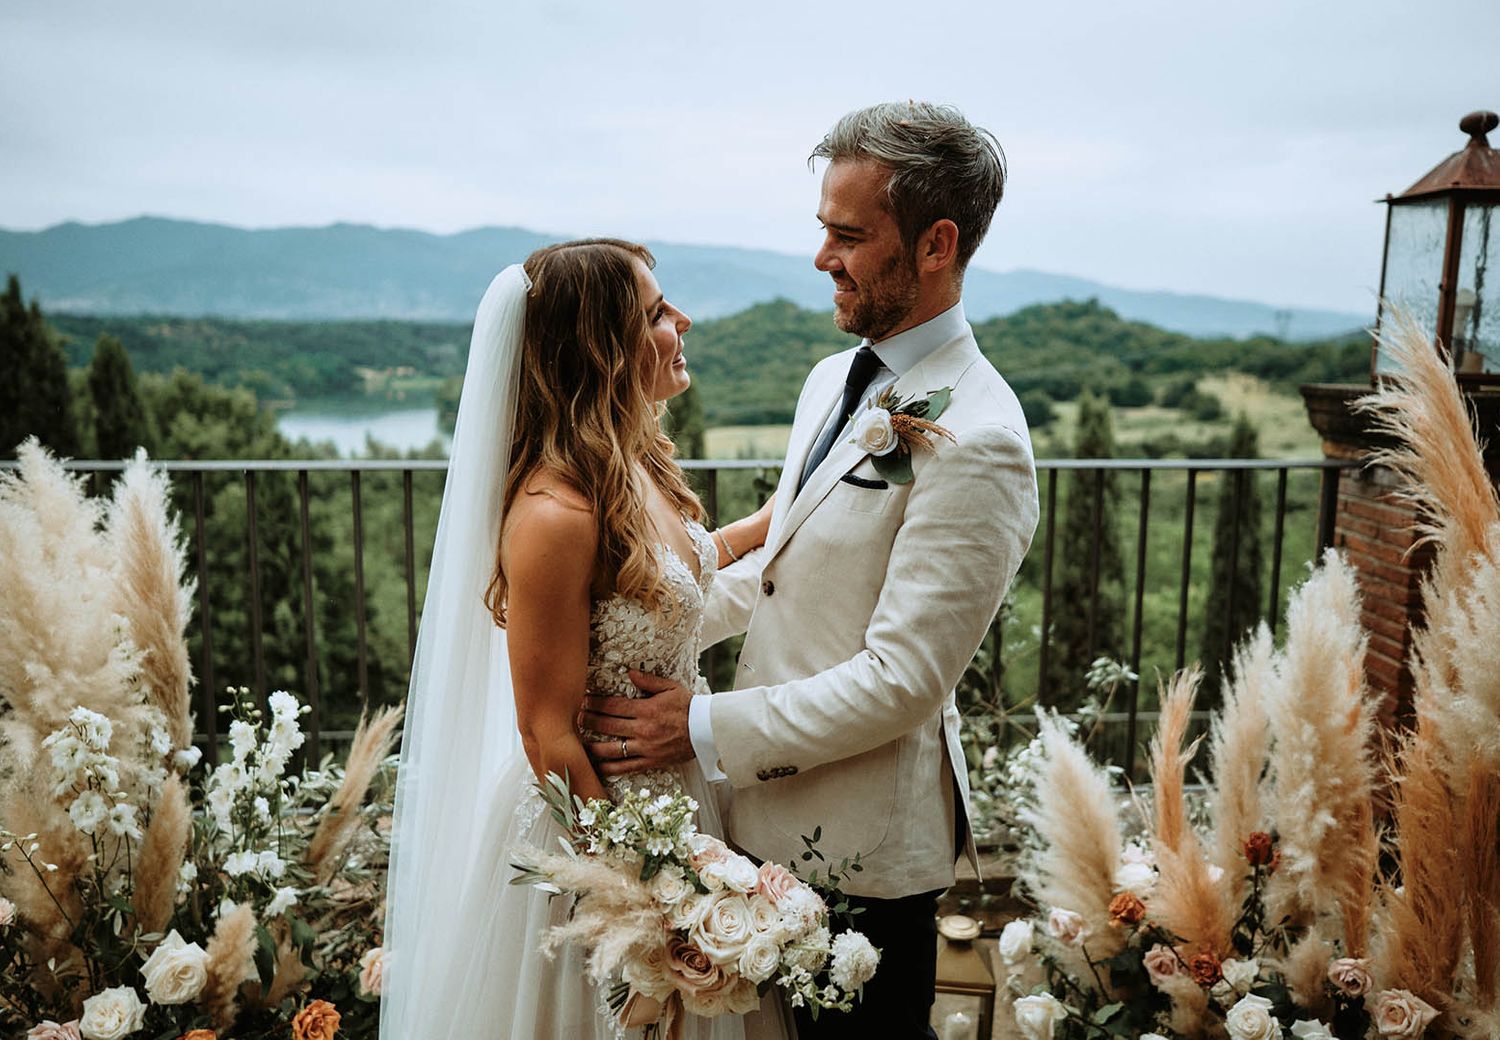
<point>860,615</point>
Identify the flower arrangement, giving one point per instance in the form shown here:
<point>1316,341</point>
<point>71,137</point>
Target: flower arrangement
<point>892,427</point>
<point>679,923</point>
<point>141,893</point>
<point>1295,911</point>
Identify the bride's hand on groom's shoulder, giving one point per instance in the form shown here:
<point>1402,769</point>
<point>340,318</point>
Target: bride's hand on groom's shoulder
<point>648,732</point>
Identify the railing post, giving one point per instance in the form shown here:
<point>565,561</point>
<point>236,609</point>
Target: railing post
<point>252,535</point>
<point>207,691</point>
<point>309,624</point>
<point>1328,504</point>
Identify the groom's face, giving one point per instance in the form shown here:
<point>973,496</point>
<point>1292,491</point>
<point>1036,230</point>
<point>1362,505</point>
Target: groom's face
<point>874,276</point>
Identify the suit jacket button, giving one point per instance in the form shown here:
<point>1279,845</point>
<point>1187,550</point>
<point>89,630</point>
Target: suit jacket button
<point>762,774</point>
<point>768,587</point>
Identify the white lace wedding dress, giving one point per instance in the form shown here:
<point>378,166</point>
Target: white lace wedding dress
<point>524,995</point>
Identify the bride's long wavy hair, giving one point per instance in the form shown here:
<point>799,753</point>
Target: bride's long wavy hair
<point>584,410</point>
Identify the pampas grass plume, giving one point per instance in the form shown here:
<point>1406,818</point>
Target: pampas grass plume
<point>1239,743</point>
<point>231,962</point>
<point>373,740</point>
<point>615,917</point>
<point>163,846</point>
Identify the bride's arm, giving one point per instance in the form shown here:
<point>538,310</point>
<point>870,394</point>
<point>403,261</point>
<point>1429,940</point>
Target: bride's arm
<point>736,539</point>
<point>549,550</point>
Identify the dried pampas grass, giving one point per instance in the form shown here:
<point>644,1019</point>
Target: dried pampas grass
<point>152,592</point>
<point>373,741</point>
<point>1322,761</point>
<point>1305,970</point>
<point>163,847</point>
<point>1239,743</point>
<point>1079,831</point>
<point>615,917</point>
<point>1186,901</point>
<point>231,963</point>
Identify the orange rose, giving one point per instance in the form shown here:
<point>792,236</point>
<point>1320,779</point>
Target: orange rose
<point>318,1021</point>
<point>199,1034</point>
<point>1205,969</point>
<point>1259,849</point>
<point>1126,909</point>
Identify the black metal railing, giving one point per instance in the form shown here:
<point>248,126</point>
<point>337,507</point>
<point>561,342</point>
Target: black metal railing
<point>1166,507</point>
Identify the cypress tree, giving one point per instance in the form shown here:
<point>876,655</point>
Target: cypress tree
<point>15,368</point>
<point>1085,627</point>
<point>39,399</point>
<point>1236,548</point>
<point>685,423</point>
<point>120,421</point>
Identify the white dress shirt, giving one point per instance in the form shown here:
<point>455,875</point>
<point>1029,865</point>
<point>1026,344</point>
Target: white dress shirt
<point>898,356</point>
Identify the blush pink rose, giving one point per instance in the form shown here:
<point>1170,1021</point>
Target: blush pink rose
<point>50,1030</point>
<point>1402,1014</point>
<point>708,849</point>
<point>690,970</point>
<point>775,881</point>
<point>1351,975</point>
<point>1161,963</point>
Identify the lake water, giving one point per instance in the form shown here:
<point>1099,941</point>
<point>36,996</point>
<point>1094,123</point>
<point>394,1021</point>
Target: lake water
<point>403,425</point>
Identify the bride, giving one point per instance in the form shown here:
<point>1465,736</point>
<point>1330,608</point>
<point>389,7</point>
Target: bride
<point>569,550</point>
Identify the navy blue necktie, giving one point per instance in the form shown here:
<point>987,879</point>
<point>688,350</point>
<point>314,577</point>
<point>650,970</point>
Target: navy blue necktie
<point>861,370</point>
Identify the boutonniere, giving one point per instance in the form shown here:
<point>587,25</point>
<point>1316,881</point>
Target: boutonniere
<point>892,427</point>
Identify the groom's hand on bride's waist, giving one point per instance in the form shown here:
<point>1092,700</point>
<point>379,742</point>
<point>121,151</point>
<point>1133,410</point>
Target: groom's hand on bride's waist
<point>646,732</point>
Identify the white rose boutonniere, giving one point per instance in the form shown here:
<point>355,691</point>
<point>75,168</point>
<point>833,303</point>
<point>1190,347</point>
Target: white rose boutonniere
<point>892,427</point>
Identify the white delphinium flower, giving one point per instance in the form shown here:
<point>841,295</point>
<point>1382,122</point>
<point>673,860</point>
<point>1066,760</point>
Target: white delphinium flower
<point>242,740</point>
<point>270,865</point>
<point>122,822</point>
<point>282,901</point>
<point>160,742</point>
<point>220,802</point>
<point>854,960</point>
<point>7,912</point>
<point>186,875</point>
<point>95,729</point>
<point>187,759</point>
<point>262,809</point>
<point>237,864</point>
<point>88,811</point>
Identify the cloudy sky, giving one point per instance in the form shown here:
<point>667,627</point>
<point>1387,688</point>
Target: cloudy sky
<point>1233,149</point>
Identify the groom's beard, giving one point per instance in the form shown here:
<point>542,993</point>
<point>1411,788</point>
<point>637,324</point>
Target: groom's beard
<point>884,300</point>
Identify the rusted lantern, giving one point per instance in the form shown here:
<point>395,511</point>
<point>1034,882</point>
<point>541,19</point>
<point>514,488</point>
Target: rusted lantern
<point>1442,256</point>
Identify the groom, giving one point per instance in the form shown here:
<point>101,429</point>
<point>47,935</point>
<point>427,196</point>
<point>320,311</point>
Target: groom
<point>872,592</point>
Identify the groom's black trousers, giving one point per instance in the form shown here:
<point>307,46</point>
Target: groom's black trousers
<point>898,1000</point>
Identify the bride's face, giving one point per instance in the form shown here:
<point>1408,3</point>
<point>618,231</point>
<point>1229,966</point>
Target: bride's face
<point>668,374</point>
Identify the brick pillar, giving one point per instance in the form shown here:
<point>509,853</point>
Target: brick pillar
<point>1376,532</point>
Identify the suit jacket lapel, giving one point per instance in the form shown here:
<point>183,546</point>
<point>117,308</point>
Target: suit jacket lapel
<point>943,367</point>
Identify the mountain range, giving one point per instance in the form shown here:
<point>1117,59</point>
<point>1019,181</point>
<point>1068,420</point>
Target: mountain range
<point>160,266</point>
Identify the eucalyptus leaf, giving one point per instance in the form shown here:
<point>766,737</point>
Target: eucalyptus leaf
<point>937,403</point>
<point>895,467</point>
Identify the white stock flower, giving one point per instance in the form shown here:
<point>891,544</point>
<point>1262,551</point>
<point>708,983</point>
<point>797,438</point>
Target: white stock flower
<point>1015,942</point>
<point>1037,1016</point>
<point>874,433</point>
<point>176,971</point>
<point>186,875</point>
<point>811,953</point>
<point>1308,1029</point>
<point>88,811</point>
<point>111,1014</point>
<point>760,958</point>
<point>281,902</point>
<point>95,729</point>
<point>1251,1019</point>
<point>854,960</point>
<point>283,705</point>
<point>161,743</point>
<point>802,911</point>
<point>724,927</point>
<point>1067,927</point>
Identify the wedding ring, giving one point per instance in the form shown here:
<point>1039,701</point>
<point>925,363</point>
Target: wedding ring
<point>624,748</point>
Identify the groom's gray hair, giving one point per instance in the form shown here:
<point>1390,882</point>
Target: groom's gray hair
<point>942,166</point>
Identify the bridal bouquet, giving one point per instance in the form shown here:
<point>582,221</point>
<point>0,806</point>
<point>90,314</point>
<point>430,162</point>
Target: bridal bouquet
<point>684,924</point>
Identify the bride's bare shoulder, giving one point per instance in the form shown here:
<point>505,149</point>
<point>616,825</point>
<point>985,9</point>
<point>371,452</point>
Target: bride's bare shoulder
<point>548,512</point>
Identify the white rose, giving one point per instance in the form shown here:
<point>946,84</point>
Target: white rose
<point>1152,1036</point>
<point>1251,1019</point>
<point>707,1003</point>
<point>685,915</point>
<point>112,1014</point>
<point>646,973</point>
<point>1015,942</point>
<point>1310,1030</point>
<point>670,887</point>
<point>854,961</point>
<point>1037,1016</point>
<point>760,958</point>
<point>724,928</point>
<point>1136,878</point>
<point>1067,927</point>
<point>372,971</point>
<point>1241,974</point>
<point>873,432</point>
<point>176,971</point>
<point>742,998</point>
<point>735,873</point>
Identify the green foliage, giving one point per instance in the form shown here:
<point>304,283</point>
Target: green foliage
<point>119,415</point>
<point>1089,594</point>
<point>684,422</point>
<point>35,395</point>
<point>1038,409</point>
<point>1236,560</point>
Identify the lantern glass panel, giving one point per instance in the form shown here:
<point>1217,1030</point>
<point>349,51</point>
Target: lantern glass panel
<point>1476,315</point>
<point>1414,264</point>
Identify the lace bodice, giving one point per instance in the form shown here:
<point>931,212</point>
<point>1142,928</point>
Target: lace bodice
<point>625,634</point>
